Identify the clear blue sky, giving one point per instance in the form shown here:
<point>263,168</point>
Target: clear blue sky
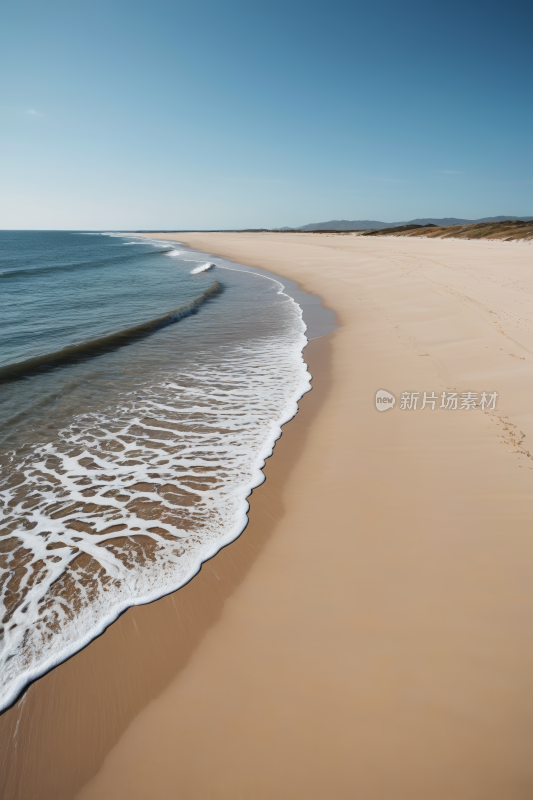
<point>128,115</point>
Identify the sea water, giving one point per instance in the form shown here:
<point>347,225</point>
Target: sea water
<point>141,389</point>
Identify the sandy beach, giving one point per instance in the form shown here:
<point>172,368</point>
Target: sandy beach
<point>369,635</point>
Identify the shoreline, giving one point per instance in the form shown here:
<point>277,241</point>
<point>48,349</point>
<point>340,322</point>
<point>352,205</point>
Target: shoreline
<point>89,699</point>
<point>21,676</point>
<point>376,643</point>
<point>380,645</point>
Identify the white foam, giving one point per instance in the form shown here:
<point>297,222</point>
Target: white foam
<point>139,238</point>
<point>206,432</point>
<point>202,268</point>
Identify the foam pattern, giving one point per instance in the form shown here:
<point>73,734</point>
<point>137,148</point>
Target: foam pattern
<point>125,504</point>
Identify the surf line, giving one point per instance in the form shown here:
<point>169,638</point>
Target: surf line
<point>95,347</point>
<point>202,268</point>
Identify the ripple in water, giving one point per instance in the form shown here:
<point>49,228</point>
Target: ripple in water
<point>125,502</point>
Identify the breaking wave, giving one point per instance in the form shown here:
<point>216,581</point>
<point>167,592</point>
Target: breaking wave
<point>202,268</point>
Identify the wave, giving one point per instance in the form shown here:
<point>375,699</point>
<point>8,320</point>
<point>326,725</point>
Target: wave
<point>45,269</point>
<point>77,352</point>
<point>202,268</point>
<point>129,501</point>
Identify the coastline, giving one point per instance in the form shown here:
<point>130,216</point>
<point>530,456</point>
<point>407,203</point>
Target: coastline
<point>27,653</point>
<point>380,646</point>
<point>369,633</point>
<point>55,737</point>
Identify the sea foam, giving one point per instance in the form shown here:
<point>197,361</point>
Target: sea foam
<point>125,504</point>
<point>202,268</point>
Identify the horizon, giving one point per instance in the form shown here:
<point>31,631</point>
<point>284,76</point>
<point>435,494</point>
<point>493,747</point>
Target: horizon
<point>258,228</point>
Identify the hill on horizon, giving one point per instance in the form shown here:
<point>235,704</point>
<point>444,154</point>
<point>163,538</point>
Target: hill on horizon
<point>369,224</point>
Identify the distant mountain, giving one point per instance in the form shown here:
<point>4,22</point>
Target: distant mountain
<point>370,224</point>
<point>345,225</point>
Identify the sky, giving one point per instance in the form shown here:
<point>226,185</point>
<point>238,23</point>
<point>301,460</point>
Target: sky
<point>206,115</point>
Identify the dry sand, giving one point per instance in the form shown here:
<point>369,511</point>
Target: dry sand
<point>382,644</point>
<point>379,643</point>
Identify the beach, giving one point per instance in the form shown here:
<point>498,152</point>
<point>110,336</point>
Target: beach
<point>369,634</point>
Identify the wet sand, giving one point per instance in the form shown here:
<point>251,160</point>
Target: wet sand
<point>54,739</point>
<point>374,640</point>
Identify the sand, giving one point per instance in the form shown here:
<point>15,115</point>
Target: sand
<point>375,642</point>
<point>54,739</point>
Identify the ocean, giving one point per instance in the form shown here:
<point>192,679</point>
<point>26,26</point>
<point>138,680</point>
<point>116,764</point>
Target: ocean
<point>142,387</point>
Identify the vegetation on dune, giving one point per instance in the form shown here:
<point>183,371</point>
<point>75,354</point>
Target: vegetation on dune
<point>512,230</point>
<point>401,229</point>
